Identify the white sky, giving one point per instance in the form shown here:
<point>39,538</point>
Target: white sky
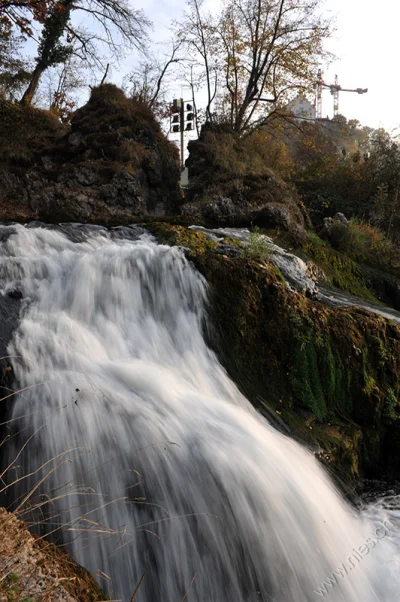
<point>366,43</point>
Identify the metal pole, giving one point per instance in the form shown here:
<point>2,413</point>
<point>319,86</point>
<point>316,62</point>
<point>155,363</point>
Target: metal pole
<point>336,97</point>
<point>182,128</point>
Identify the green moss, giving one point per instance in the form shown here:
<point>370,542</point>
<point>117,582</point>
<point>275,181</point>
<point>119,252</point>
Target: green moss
<point>196,242</point>
<point>306,382</point>
<point>341,271</point>
<point>391,408</point>
<point>276,272</point>
<point>233,242</point>
<point>320,381</point>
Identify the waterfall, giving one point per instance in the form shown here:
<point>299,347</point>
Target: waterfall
<point>155,463</point>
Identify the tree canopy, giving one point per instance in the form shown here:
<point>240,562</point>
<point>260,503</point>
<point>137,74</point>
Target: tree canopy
<point>254,55</point>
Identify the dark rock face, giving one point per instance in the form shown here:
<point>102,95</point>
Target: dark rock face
<point>223,211</point>
<point>279,215</point>
<point>9,318</point>
<point>384,286</point>
<point>113,164</point>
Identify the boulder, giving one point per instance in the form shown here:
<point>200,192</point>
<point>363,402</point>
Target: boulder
<point>338,218</point>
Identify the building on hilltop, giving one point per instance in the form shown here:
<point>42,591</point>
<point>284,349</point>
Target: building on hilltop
<point>302,108</point>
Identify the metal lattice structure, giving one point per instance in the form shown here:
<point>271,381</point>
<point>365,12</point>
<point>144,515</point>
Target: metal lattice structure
<point>334,89</point>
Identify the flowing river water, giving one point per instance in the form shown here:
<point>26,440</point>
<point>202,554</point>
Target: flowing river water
<point>153,462</point>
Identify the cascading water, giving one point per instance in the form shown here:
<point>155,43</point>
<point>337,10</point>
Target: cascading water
<point>169,470</point>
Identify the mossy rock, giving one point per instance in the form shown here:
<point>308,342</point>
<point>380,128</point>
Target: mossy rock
<point>221,162</point>
<point>196,242</point>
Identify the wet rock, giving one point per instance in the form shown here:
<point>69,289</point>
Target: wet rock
<point>229,250</point>
<point>14,294</point>
<point>35,224</point>
<point>299,275</point>
<point>384,286</point>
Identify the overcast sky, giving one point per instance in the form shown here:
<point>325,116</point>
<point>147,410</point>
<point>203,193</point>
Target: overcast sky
<point>366,43</point>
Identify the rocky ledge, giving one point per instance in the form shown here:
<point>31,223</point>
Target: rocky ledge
<point>33,570</point>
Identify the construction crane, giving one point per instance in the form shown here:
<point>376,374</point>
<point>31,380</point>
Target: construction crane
<point>335,89</point>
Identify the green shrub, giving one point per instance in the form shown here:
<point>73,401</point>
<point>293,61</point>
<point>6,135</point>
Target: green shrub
<point>365,244</point>
<point>257,246</point>
<point>390,413</point>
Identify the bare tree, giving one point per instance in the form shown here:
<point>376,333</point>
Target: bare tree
<point>62,86</point>
<point>148,81</point>
<point>266,50</point>
<point>14,67</point>
<point>198,32</point>
<point>272,48</point>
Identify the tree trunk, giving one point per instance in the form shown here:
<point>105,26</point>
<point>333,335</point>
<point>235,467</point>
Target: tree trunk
<point>52,32</point>
<point>33,85</point>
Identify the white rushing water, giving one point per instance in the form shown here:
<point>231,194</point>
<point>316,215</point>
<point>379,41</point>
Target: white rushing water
<point>171,471</point>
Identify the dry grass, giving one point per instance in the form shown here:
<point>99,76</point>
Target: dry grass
<point>25,132</point>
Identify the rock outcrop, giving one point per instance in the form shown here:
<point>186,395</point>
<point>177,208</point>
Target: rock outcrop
<point>112,164</point>
<point>231,184</point>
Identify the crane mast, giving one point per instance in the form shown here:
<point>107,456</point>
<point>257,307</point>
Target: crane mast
<point>334,89</point>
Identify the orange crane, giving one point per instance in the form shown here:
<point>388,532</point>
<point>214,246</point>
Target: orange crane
<point>335,89</point>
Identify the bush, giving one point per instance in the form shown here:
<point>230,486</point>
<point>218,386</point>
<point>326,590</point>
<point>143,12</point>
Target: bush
<point>257,246</point>
<point>365,244</point>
